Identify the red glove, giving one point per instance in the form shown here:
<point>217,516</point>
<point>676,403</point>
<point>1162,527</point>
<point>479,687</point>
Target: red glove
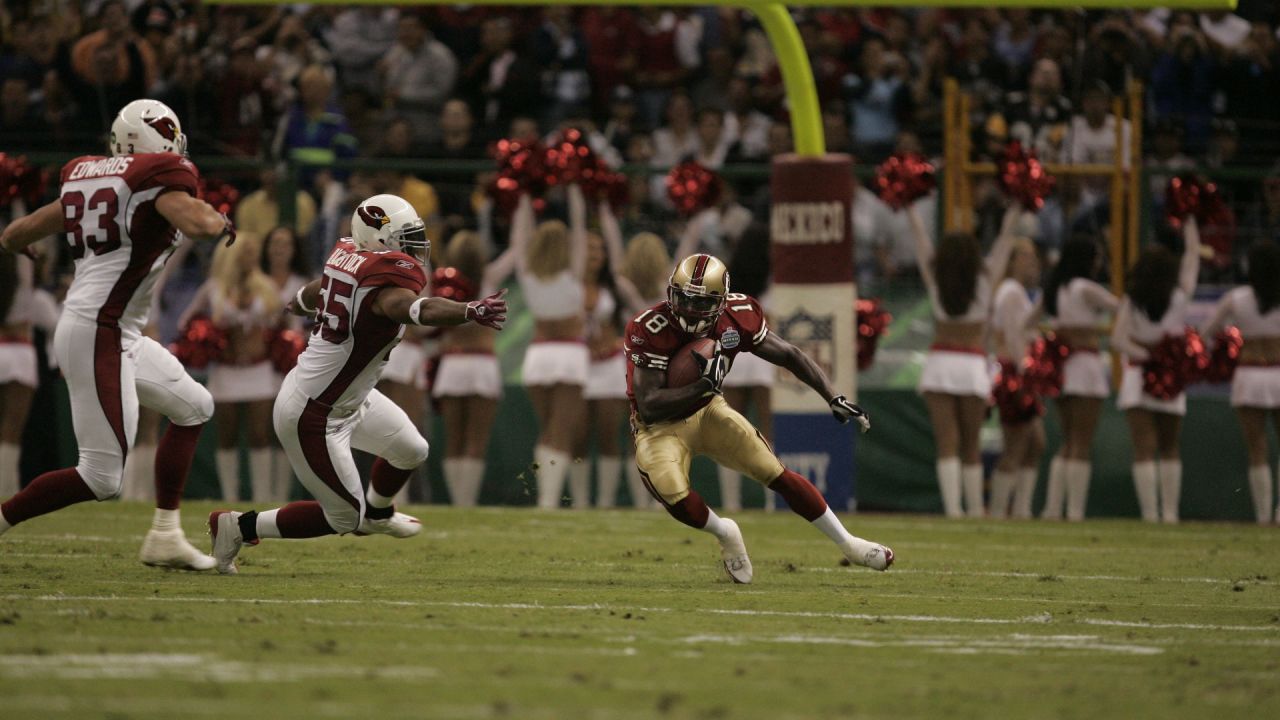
<point>489,312</point>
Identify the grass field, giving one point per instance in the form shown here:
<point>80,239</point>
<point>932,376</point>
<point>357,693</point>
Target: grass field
<point>524,614</point>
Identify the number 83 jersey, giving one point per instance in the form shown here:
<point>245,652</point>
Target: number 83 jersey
<point>350,342</point>
<point>119,240</point>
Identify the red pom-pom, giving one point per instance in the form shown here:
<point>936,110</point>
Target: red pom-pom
<point>1022,177</point>
<point>612,187</point>
<point>200,343</point>
<point>1013,397</point>
<point>284,346</point>
<point>20,179</point>
<point>570,160</point>
<point>447,282</point>
<point>903,179</point>
<point>520,171</point>
<point>1175,362</point>
<point>1042,368</point>
<point>692,188</point>
<point>1189,195</point>
<point>873,321</point>
<point>1225,356</point>
<point>221,195</point>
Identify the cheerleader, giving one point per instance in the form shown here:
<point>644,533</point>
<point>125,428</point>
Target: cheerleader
<point>243,302</point>
<point>555,366</point>
<point>18,375</point>
<point>1078,308</point>
<point>1013,315</point>
<point>285,263</point>
<point>1157,293</point>
<point>1255,389</point>
<point>468,381</point>
<point>955,382</point>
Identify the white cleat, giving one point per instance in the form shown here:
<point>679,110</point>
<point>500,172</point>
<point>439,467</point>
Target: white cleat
<point>871,555</point>
<point>399,525</point>
<point>733,553</point>
<point>170,549</point>
<point>224,528</point>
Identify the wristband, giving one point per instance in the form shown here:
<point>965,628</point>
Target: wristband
<point>302,304</point>
<point>415,311</point>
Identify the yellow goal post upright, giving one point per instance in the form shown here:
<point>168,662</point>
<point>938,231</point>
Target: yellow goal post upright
<point>813,294</point>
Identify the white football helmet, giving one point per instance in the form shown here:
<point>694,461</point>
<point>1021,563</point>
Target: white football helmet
<point>147,126</point>
<point>391,221</point>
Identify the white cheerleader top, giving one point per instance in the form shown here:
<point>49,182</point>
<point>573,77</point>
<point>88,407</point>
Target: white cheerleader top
<point>1010,313</point>
<point>559,298</point>
<point>1145,331</point>
<point>979,307</point>
<point>1084,303</point>
<point>1243,306</point>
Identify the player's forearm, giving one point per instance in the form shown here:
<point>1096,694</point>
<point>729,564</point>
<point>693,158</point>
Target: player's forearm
<point>434,312</point>
<point>808,372</point>
<point>306,301</point>
<point>661,404</point>
<point>28,229</point>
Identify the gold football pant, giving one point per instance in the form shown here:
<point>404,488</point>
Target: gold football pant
<point>664,450</point>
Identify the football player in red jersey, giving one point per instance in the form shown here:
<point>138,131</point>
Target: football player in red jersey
<point>371,289</point>
<point>674,424</point>
<point>123,216</point>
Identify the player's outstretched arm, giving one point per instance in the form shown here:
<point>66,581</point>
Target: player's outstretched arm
<point>406,307</point>
<point>21,233</point>
<point>655,403</point>
<point>306,301</point>
<point>195,218</point>
<point>783,354</point>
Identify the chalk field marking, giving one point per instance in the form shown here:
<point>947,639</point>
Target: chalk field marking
<point>1042,618</point>
<point>1016,644</point>
<point>151,666</point>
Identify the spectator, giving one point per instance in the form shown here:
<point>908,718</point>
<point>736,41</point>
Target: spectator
<point>1251,86</point>
<point>1182,83</point>
<point>712,141</point>
<point>243,101</point>
<point>1015,41</point>
<point>976,69</point>
<point>1038,118</point>
<point>712,91</point>
<point>561,52</point>
<point>397,144</point>
<point>623,122</point>
<point>666,54</point>
<point>745,123</point>
<point>1114,54</point>
<point>1225,31</point>
<point>358,39</point>
<point>678,139</point>
<point>879,100</point>
<point>292,52</point>
<point>314,132</point>
<point>1166,161</point>
<point>1092,140</point>
<point>458,140</point>
<point>835,128</point>
<point>419,72</point>
<point>612,37</point>
<point>501,84</point>
<point>259,211</point>
<point>19,121</point>
<point>109,67</point>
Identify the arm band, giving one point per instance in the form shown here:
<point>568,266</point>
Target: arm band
<point>415,311</point>
<point>302,304</point>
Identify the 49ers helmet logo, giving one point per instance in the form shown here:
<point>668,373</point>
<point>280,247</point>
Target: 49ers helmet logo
<point>373,216</point>
<point>165,126</point>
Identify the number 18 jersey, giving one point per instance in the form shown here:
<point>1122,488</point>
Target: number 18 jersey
<point>350,342</point>
<point>119,240</point>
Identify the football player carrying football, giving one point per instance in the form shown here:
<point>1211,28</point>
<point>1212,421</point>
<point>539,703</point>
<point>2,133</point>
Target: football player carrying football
<point>371,289</point>
<point>672,424</point>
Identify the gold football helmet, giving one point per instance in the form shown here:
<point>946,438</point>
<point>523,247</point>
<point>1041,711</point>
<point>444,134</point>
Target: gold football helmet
<point>697,292</point>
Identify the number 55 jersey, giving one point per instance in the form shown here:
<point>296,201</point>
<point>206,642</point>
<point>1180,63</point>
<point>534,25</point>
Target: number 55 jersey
<point>350,343</point>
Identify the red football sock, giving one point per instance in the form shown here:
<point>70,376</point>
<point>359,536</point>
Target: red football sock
<point>47,493</point>
<point>302,519</point>
<point>691,511</point>
<point>801,496</point>
<point>387,479</point>
<point>173,463</point>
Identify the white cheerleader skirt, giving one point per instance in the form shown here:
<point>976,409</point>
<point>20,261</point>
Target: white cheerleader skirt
<point>956,372</point>
<point>750,370</point>
<point>1084,374</point>
<point>555,363</point>
<point>1256,386</point>
<point>468,374</point>
<point>407,365</point>
<point>18,363</point>
<point>607,379</point>
<point>1133,397</point>
<point>243,383</point>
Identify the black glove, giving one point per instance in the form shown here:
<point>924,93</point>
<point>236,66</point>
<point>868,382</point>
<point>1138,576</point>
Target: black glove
<point>714,369</point>
<point>844,411</point>
<point>228,230</point>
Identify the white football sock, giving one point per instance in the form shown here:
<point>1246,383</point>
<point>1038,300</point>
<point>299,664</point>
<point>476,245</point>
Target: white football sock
<point>949,485</point>
<point>608,476</point>
<point>10,454</point>
<point>715,525</point>
<point>1144,483</point>
<point>261,478</point>
<point>376,499</point>
<point>1056,490</point>
<point>580,484</point>
<point>730,489</point>
<point>552,466</point>
<point>1077,474</point>
<point>971,477</point>
<point>1260,491</point>
<point>166,520</point>
<point>1170,489</point>
<point>281,476</point>
<point>266,524</point>
<point>228,462</point>
<point>1002,487</point>
<point>851,545</point>
<point>640,497</point>
<point>1024,492</point>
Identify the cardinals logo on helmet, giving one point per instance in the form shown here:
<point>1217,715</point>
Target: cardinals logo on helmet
<point>373,216</point>
<point>165,126</point>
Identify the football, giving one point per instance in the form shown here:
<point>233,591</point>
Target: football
<point>684,368</point>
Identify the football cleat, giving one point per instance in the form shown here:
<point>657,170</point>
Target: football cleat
<point>871,555</point>
<point>399,525</point>
<point>224,528</point>
<point>733,553</point>
<point>170,549</point>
